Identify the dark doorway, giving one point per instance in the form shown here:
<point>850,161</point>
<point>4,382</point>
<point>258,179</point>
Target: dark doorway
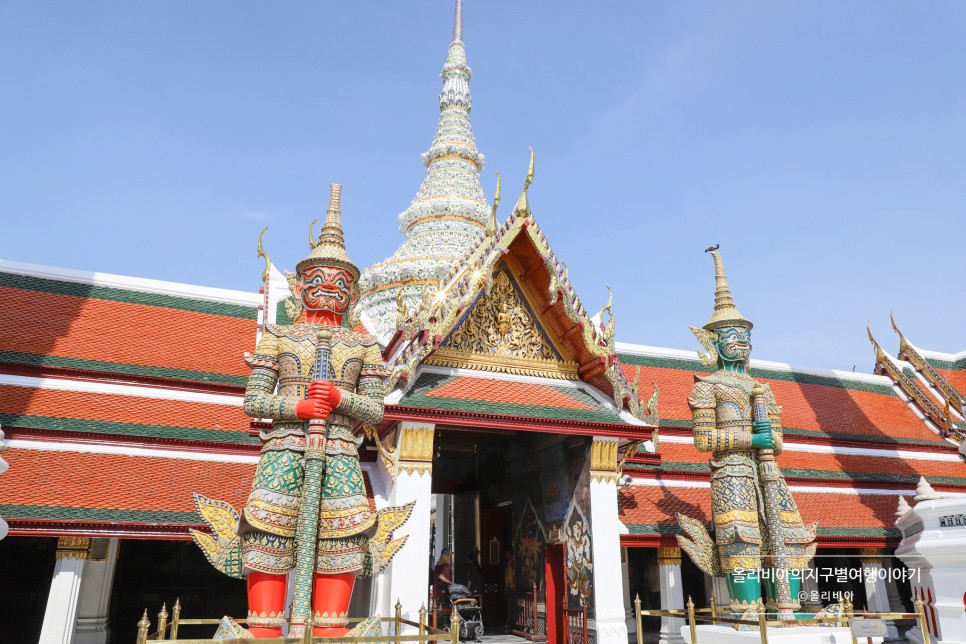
<point>496,540</point>
<point>28,567</point>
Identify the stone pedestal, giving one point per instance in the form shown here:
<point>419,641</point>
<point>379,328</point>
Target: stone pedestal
<point>605,544</point>
<point>794,635</point>
<point>672,593</point>
<point>933,546</point>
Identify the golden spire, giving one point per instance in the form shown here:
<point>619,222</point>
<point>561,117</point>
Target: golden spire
<point>330,250</point>
<point>725,313</point>
<point>523,206</point>
<point>902,339</point>
<point>491,225</point>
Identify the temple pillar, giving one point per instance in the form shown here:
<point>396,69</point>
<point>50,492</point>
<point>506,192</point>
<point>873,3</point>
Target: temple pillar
<point>95,593</point>
<point>672,593</point>
<point>629,618</point>
<point>717,587</point>
<point>892,592</point>
<point>61,613</point>
<point>407,579</point>
<point>605,543</point>
<point>876,595</point>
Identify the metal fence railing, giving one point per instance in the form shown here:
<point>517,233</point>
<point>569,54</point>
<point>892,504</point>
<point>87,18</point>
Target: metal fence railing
<point>714,615</point>
<point>167,631</point>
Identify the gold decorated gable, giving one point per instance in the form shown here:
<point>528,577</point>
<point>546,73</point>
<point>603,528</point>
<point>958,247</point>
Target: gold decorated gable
<point>501,333</point>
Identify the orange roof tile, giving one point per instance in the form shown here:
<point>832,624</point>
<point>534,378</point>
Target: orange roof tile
<point>22,403</point>
<point>503,391</point>
<point>652,506</point>
<point>74,327</point>
<point>805,406</point>
<point>956,378</point>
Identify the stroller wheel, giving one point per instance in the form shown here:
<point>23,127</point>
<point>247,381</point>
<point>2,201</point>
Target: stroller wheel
<point>464,634</point>
<point>479,631</point>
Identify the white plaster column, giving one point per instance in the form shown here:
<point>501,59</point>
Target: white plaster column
<point>407,578</point>
<point>672,593</point>
<point>892,592</point>
<point>719,590</point>
<point>95,593</point>
<point>61,613</point>
<point>606,529</point>
<point>873,578</point>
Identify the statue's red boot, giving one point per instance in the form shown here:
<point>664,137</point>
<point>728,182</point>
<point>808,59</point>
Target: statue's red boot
<point>330,603</point>
<point>266,604</point>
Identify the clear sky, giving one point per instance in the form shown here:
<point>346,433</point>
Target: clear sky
<point>820,143</point>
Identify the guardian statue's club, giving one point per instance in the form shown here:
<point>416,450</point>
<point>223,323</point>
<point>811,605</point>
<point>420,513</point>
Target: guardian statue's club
<point>756,522</point>
<point>308,509</point>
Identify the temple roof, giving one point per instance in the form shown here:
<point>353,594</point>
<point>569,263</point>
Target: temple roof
<point>63,321</point>
<point>817,405</point>
<point>505,400</point>
<point>448,213</point>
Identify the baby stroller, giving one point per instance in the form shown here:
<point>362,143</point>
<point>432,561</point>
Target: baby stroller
<point>471,614</point>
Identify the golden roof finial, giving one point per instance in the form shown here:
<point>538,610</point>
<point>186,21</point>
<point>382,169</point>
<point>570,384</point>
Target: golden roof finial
<point>491,225</point>
<point>725,312</point>
<point>523,206</point>
<point>879,353</point>
<point>902,339</point>
<point>330,249</point>
<point>261,253</point>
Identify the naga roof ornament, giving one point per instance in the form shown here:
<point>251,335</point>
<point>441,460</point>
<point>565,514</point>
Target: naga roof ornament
<point>449,212</point>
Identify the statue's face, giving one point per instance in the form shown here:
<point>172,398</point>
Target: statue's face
<point>327,288</point>
<point>733,343</point>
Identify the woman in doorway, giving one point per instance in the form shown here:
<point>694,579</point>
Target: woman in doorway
<point>442,575</point>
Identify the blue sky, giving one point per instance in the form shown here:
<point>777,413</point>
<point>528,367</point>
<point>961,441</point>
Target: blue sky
<point>820,143</point>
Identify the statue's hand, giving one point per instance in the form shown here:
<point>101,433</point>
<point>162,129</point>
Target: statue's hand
<point>325,390</point>
<point>761,427</point>
<point>313,408</point>
<point>762,441</point>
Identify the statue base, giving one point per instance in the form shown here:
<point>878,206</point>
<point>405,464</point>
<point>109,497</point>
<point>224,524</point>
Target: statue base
<point>726,634</point>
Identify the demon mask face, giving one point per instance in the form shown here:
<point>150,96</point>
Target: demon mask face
<point>327,288</point>
<point>733,343</point>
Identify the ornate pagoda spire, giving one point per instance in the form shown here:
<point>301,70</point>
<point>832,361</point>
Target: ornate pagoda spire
<point>449,212</point>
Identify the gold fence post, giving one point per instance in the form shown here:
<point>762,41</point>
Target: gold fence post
<point>143,625</point>
<point>714,610</point>
<point>637,616</point>
<point>455,627</point>
<point>691,624</point>
<point>398,619</point>
<point>422,620</point>
<point>309,628</point>
<point>923,626</point>
<point>162,621</point>
<point>175,617</point>
<point>762,623</point>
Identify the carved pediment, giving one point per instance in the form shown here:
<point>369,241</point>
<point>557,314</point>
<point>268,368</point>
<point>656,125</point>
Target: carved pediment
<point>501,333</point>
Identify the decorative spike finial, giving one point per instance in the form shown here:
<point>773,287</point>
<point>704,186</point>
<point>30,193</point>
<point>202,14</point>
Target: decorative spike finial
<point>458,22</point>
<point>924,491</point>
<point>523,205</point>
<point>895,327</point>
<point>261,253</point>
<point>903,506</point>
<point>491,225</point>
<point>725,312</point>
<point>330,250</point>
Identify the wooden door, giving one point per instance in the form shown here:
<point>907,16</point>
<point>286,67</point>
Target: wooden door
<point>556,590</point>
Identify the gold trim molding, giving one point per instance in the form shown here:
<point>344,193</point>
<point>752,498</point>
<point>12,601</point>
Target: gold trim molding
<point>73,547</point>
<point>669,556</point>
<point>416,443</point>
<point>445,357</point>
